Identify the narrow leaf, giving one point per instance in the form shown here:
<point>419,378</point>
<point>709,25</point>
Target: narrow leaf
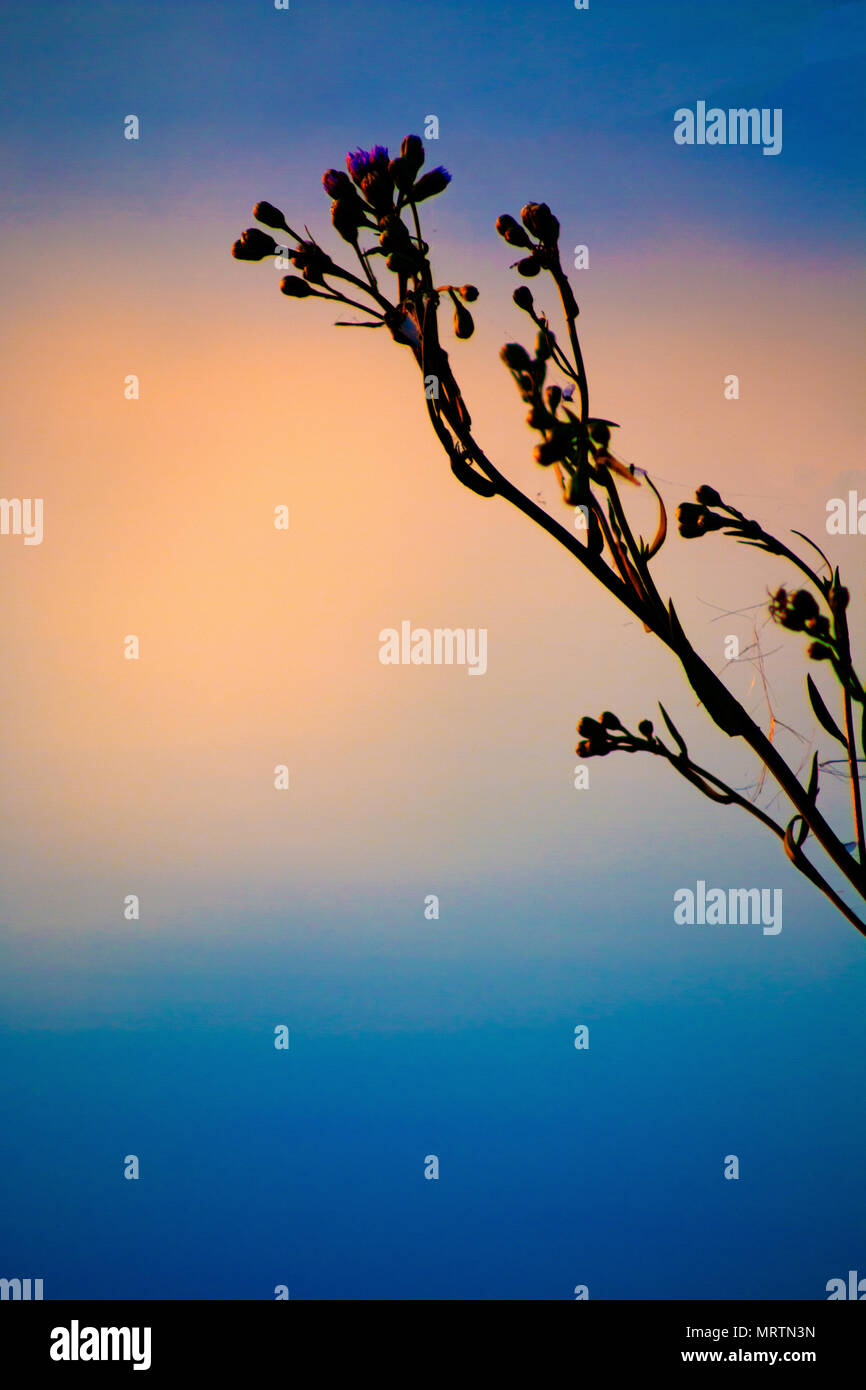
<point>823,715</point>
<point>812,789</point>
<point>815,547</point>
<point>672,730</point>
<point>662,530</point>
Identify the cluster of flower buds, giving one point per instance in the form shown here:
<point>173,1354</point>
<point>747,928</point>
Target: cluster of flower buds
<point>695,519</point>
<point>698,520</point>
<point>595,735</point>
<point>375,188</point>
<point>538,222</point>
<point>371,194</point>
<point>560,436</point>
<point>307,256</point>
<point>607,735</point>
<point>799,612</point>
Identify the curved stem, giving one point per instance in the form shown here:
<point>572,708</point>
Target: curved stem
<point>729,715</point>
<point>802,864</point>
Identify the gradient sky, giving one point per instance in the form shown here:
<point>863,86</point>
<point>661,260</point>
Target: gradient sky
<point>259,647</point>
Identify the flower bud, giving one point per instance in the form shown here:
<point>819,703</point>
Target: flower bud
<point>597,741</point>
<point>464,324</point>
<point>695,520</point>
<point>540,221</point>
<point>798,612</point>
<point>817,626</point>
<point>645,727</point>
<point>523,298</point>
<point>377,187</point>
<point>708,496</point>
<point>311,261</point>
<point>609,721</point>
<point>295,287</point>
<point>436,181</point>
<point>253,245</point>
<point>412,153</point>
<point>347,216</point>
<point>805,606</point>
<point>404,169</point>
<point>539,419</point>
<point>270,216</point>
<point>337,184</point>
<point>469,293</point>
<point>816,651</point>
<point>528,266</point>
<point>841,599</point>
<point>515,357</point>
<point>526,386</point>
<point>550,451</point>
<point>589,727</point>
<point>399,263</point>
<point>552,397</point>
<point>511,231</point>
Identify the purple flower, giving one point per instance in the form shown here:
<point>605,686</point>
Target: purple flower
<point>360,162</point>
<point>430,184</point>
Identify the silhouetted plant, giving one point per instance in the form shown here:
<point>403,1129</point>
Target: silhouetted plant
<point>378,197</point>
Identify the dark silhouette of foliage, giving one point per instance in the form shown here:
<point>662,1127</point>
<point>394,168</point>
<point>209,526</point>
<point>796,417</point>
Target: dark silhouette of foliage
<point>376,201</point>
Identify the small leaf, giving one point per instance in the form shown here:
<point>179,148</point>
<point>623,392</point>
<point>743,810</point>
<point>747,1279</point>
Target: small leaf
<point>759,545</point>
<point>822,714</point>
<point>662,530</point>
<point>812,789</point>
<point>815,547</point>
<point>672,730</point>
